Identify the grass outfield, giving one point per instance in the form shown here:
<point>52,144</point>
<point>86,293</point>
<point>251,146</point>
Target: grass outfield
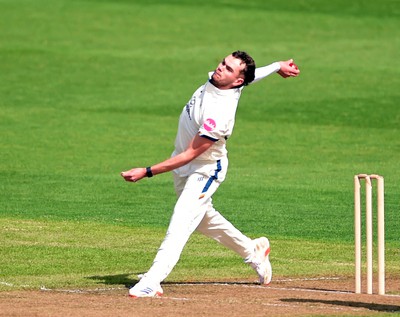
<point>91,88</point>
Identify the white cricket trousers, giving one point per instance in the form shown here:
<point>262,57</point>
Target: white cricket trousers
<point>194,211</point>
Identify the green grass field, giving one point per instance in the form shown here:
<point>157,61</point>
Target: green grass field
<point>89,88</point>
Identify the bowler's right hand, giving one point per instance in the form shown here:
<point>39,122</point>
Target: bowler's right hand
<point>288,69</point>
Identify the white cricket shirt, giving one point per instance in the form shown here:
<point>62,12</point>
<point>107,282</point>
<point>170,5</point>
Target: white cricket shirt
<point>211,113</point>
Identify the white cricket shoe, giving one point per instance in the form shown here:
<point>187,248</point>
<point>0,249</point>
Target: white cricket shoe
<point>260,260</point>
<point>145,289</point>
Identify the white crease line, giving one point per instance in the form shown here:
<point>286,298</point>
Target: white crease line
<point>309,279</point>
<point>174,298</point>
<point>247,283</point>
<point>44,288</point>
<point>310,307</point>
<point>309,290</point>
<point>281,288</point>
<point>243,284</point>
<point>12,285</point>
<point>79,291</point>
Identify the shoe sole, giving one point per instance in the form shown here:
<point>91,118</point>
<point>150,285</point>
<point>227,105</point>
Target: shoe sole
<point>157,294</point>
<point>261,245</point>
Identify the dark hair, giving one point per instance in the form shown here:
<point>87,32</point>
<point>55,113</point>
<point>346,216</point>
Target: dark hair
<point>249,69</point>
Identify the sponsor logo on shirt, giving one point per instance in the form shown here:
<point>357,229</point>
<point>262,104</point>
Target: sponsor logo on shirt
<point>209,124</point>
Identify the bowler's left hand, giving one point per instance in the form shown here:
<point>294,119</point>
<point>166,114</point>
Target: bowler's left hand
<point>134,175</point>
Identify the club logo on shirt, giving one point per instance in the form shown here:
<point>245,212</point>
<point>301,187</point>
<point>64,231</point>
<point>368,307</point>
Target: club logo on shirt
<point>209,124</point>
<point>189,105</point>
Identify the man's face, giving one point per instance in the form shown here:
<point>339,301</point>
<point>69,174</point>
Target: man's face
<point>227,74</point>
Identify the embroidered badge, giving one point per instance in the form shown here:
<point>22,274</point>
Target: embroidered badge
<point>209,124</point>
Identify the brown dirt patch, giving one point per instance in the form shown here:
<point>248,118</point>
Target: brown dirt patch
<point>284,297</point>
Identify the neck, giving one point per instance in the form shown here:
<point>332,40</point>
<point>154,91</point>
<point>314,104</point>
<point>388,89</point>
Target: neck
<point>212,81</point>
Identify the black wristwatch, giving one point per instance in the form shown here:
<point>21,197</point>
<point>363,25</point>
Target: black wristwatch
<point>149,173</point>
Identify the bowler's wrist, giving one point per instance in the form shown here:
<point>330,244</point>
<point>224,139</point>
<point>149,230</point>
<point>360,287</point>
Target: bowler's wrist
<point>149,172</point>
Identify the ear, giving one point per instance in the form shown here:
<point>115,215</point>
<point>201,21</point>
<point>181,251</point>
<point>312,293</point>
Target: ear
<point>239,81</point>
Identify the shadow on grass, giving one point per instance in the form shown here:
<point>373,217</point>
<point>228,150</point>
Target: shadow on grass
<point>128,282</point>
<point>370,306</point>
<point>119,279</point>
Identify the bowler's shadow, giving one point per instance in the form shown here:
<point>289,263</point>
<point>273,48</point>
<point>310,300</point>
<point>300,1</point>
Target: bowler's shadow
<point>370,306</point>
<point>124,279</point>
<point>119,279</point>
